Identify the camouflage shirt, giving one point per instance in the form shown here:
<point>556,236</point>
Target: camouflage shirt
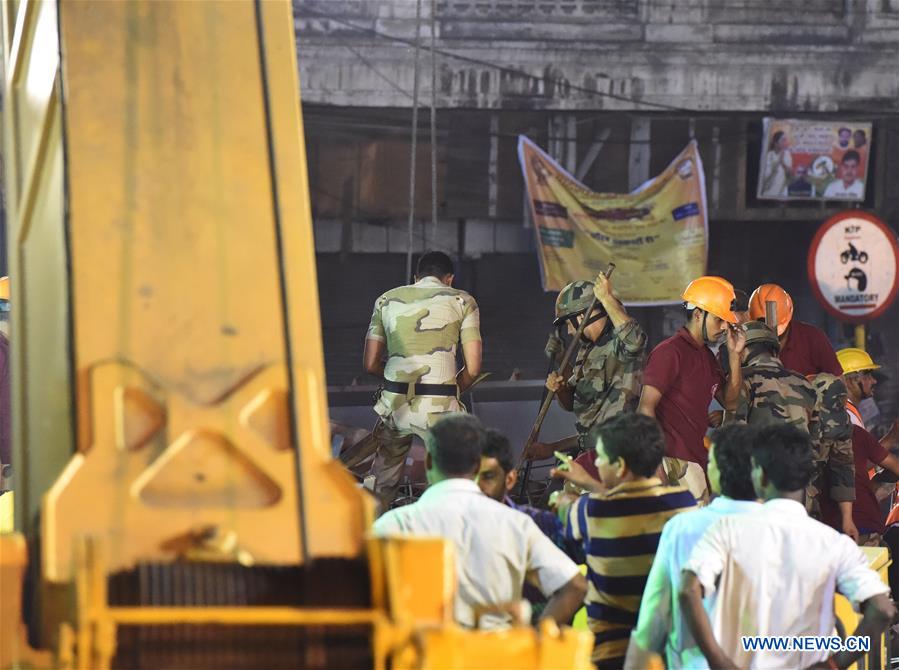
<point>607,375</point>
<point>421,326</point>
<point>773,394</point>
<point>832,436</point>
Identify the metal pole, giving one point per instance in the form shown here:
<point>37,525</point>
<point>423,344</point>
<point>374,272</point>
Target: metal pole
<point>771,314</point>
<point>860,336</point>
<point>569,353</point>
<point>414,149</point>
<point>434,121</point>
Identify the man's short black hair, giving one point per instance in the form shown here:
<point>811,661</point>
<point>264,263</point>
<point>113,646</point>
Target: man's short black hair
<point>455,443</point>
<point>636,439</point>
<point>733,456</point>
<point>844,129</point>
<point>434,264</point>
<point>497,446</point>
<point>785,455</point>
<point>741,301</point>
<point>851,155</point>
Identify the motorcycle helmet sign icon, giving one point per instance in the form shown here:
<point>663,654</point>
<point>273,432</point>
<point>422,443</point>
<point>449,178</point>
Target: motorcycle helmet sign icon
<point>853,254</point>
<point>858,276</point>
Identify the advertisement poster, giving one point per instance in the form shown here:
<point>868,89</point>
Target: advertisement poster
<point>656,236</point>
<point>814,160</point>
<point>853,266</point>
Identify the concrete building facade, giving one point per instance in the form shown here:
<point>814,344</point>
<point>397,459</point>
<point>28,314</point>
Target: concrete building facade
<point>611,88</point>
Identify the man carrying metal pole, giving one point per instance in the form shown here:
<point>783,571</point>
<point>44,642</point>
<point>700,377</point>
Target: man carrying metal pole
<point>605,378</point>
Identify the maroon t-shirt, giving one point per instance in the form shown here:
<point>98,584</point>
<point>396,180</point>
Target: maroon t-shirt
<point>687,374</point>
<point>865,510</point>
<point>587,460</point>
<point>808,351</point>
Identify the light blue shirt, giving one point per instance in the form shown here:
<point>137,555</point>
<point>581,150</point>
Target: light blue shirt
<point>661,627</point>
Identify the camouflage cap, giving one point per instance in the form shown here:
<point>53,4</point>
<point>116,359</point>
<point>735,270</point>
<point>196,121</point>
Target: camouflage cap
<point>573,300</point>
<point>759,331</point>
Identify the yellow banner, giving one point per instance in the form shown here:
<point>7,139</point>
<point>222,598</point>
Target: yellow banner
<point>656,236</point>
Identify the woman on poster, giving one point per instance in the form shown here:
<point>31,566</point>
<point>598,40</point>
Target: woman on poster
<point>778,170</point>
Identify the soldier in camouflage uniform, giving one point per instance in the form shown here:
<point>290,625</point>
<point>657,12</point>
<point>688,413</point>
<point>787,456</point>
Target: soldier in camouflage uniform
<point>418,327</point>
<point>834,459</point>
<point>606,377</point>
<point>773,394</point>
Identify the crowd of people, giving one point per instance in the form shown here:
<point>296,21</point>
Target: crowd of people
<point>708,472</point>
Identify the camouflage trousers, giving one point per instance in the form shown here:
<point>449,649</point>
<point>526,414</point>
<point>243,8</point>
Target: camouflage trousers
<point>390,457</point>
<point>871,540</point>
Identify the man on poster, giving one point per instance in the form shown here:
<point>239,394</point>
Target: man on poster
<point>848,186</point>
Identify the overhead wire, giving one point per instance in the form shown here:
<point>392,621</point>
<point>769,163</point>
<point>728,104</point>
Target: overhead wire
<point>434,117</point>
<point>371,66</point>
<point>414,143</point>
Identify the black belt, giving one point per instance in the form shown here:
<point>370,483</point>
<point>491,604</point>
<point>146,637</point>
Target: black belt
<point>420,389</point>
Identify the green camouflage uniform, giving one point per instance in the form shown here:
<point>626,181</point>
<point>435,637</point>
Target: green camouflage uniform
<point>421,326</point>
<point>607,376</point>
<point>832,436</point>
<point>773,394</point>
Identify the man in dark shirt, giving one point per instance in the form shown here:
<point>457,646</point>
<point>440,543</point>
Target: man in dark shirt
<point>801,187</point>
<point>866,450</point>
<point>866,514</point>
<point>498,476</point>
<point>683,375</point>
<point>803,347</point>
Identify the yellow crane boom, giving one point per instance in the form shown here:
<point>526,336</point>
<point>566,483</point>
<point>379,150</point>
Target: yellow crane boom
<point>173,483</point>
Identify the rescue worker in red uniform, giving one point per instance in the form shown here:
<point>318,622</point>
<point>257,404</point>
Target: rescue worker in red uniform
<point>804,348</point>
<point>682,376</point>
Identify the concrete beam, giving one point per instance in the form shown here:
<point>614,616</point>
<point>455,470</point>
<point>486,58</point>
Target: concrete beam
<point>735,77</point>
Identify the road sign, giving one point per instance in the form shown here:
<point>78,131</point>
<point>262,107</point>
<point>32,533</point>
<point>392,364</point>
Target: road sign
<point>853,266</point>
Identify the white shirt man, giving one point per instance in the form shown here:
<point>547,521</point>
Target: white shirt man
<point>497,547</point>
<point>776,572</point>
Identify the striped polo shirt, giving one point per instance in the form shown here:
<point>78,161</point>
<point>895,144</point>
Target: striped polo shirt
<point>620,531</point>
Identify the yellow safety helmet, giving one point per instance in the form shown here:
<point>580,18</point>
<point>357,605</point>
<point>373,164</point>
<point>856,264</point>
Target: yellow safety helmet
<point>855,360</point>
<point>714,295</point>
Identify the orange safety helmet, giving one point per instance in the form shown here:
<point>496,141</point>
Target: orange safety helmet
<point>774,293</point>
<point>4,288</point>
<point>715,295</point>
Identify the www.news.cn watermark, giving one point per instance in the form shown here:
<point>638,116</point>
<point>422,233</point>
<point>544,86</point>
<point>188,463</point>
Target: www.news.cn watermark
<point>831,643</point>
